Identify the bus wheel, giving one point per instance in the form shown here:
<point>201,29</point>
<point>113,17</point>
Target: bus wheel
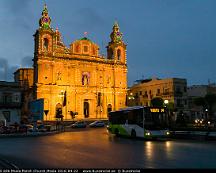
<point>116,132</point>
<point>133,133</point>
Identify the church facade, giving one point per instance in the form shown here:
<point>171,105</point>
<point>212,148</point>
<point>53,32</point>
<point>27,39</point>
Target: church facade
<point>77,78</point>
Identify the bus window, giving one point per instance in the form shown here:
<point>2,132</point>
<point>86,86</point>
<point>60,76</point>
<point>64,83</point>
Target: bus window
<point>131,117</point>
<point>117,117</point>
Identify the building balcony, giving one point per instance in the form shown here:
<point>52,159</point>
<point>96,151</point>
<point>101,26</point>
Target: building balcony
<point>167,93</point>
<point>10,105</point>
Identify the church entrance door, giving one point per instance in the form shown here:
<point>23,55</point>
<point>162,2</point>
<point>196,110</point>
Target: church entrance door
<point>86,108</point>
<point>59,111</point>
<point>109,108</point>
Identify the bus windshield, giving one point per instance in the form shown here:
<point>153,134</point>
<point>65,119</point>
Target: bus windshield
<point>155,118</point>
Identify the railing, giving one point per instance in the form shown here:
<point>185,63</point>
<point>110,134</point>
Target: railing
<point>167,93</point>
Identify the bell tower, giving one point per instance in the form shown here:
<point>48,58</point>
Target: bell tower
<point>116,49</point>
<point>45,20</point>
<point>44,39</point>
<point>44,35</point>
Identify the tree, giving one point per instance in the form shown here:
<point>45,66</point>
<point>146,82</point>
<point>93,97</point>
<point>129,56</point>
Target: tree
<point>200,101</point>
<point>171,106</point>
<point>157,102</point>
<point>211,101</point>
<point>206,102</point>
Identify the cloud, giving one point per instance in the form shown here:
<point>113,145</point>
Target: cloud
<point>10,72</point>
<point>17,6</point>
<point>27,61</point>
<point>88,18</point>
<point>6,71</point>
<point>3,68</point>
<point>19,13</point>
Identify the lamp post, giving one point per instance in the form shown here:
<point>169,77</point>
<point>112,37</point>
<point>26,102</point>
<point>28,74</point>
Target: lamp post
<point>166,102</point>
<point>206,114</point>
<point>62,95</point>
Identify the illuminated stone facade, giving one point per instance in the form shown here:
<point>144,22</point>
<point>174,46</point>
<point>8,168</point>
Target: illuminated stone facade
<point>24,76</point>
<point>77,78</point>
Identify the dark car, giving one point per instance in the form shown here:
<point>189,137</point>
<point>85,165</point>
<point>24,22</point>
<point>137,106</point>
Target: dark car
<point>97,124</point>
<point>5,130</point>
<point>41,128</point>
<point>24,128</point>
<point>79,124</point>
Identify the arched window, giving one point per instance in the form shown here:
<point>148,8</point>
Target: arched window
<point>46,43</point>
<point>119,54</point>
<point>85,78</point>
<point>111,54</point>
<point>109,108</point>
<point>85,48</point>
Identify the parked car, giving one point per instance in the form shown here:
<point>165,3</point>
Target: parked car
<point>23,128</point>
<point>41,128</point>
<point>79,124</point>
<point>97,124</point>
<point>13,129</point>
<point>48,127</point>
<point>27,128</point>
<point>5,130</point>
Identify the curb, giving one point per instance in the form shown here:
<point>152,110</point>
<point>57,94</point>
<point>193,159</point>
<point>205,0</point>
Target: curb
<point>28,135</point>
<point>205,135</point>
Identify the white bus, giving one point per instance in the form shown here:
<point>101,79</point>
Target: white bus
<point>139,121</point>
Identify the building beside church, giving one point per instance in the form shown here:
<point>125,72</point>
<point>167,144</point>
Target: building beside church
<point>77,78</point>
<point>24,77</point>
<point>173,90</point>
<point>10,102</point>
<point>197,91</point>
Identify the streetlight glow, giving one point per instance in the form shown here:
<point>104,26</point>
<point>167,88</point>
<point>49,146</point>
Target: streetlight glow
<point>166,101</point>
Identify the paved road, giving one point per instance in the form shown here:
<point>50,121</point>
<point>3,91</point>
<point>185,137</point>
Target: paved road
<point>95,148</point>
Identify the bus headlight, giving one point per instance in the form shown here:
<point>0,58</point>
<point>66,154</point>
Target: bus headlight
<point>147,133</point>
<point>167,133</point>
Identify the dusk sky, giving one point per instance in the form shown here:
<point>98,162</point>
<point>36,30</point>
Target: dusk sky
<point>165,38</point>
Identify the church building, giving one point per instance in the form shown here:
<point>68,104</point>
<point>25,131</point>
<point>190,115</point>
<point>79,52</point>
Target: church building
<point>77,78</point>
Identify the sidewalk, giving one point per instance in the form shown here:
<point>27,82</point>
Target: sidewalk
<point>206,135</point>
<point>29,134</point>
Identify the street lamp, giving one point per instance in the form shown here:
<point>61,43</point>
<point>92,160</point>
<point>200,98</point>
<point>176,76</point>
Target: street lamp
<point>166,105</point>
<point>206,114</point>
<point>166,102</point>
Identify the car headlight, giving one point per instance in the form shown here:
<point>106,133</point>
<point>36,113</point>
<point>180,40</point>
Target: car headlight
<point>147,133</point>
<point>167,133</point>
